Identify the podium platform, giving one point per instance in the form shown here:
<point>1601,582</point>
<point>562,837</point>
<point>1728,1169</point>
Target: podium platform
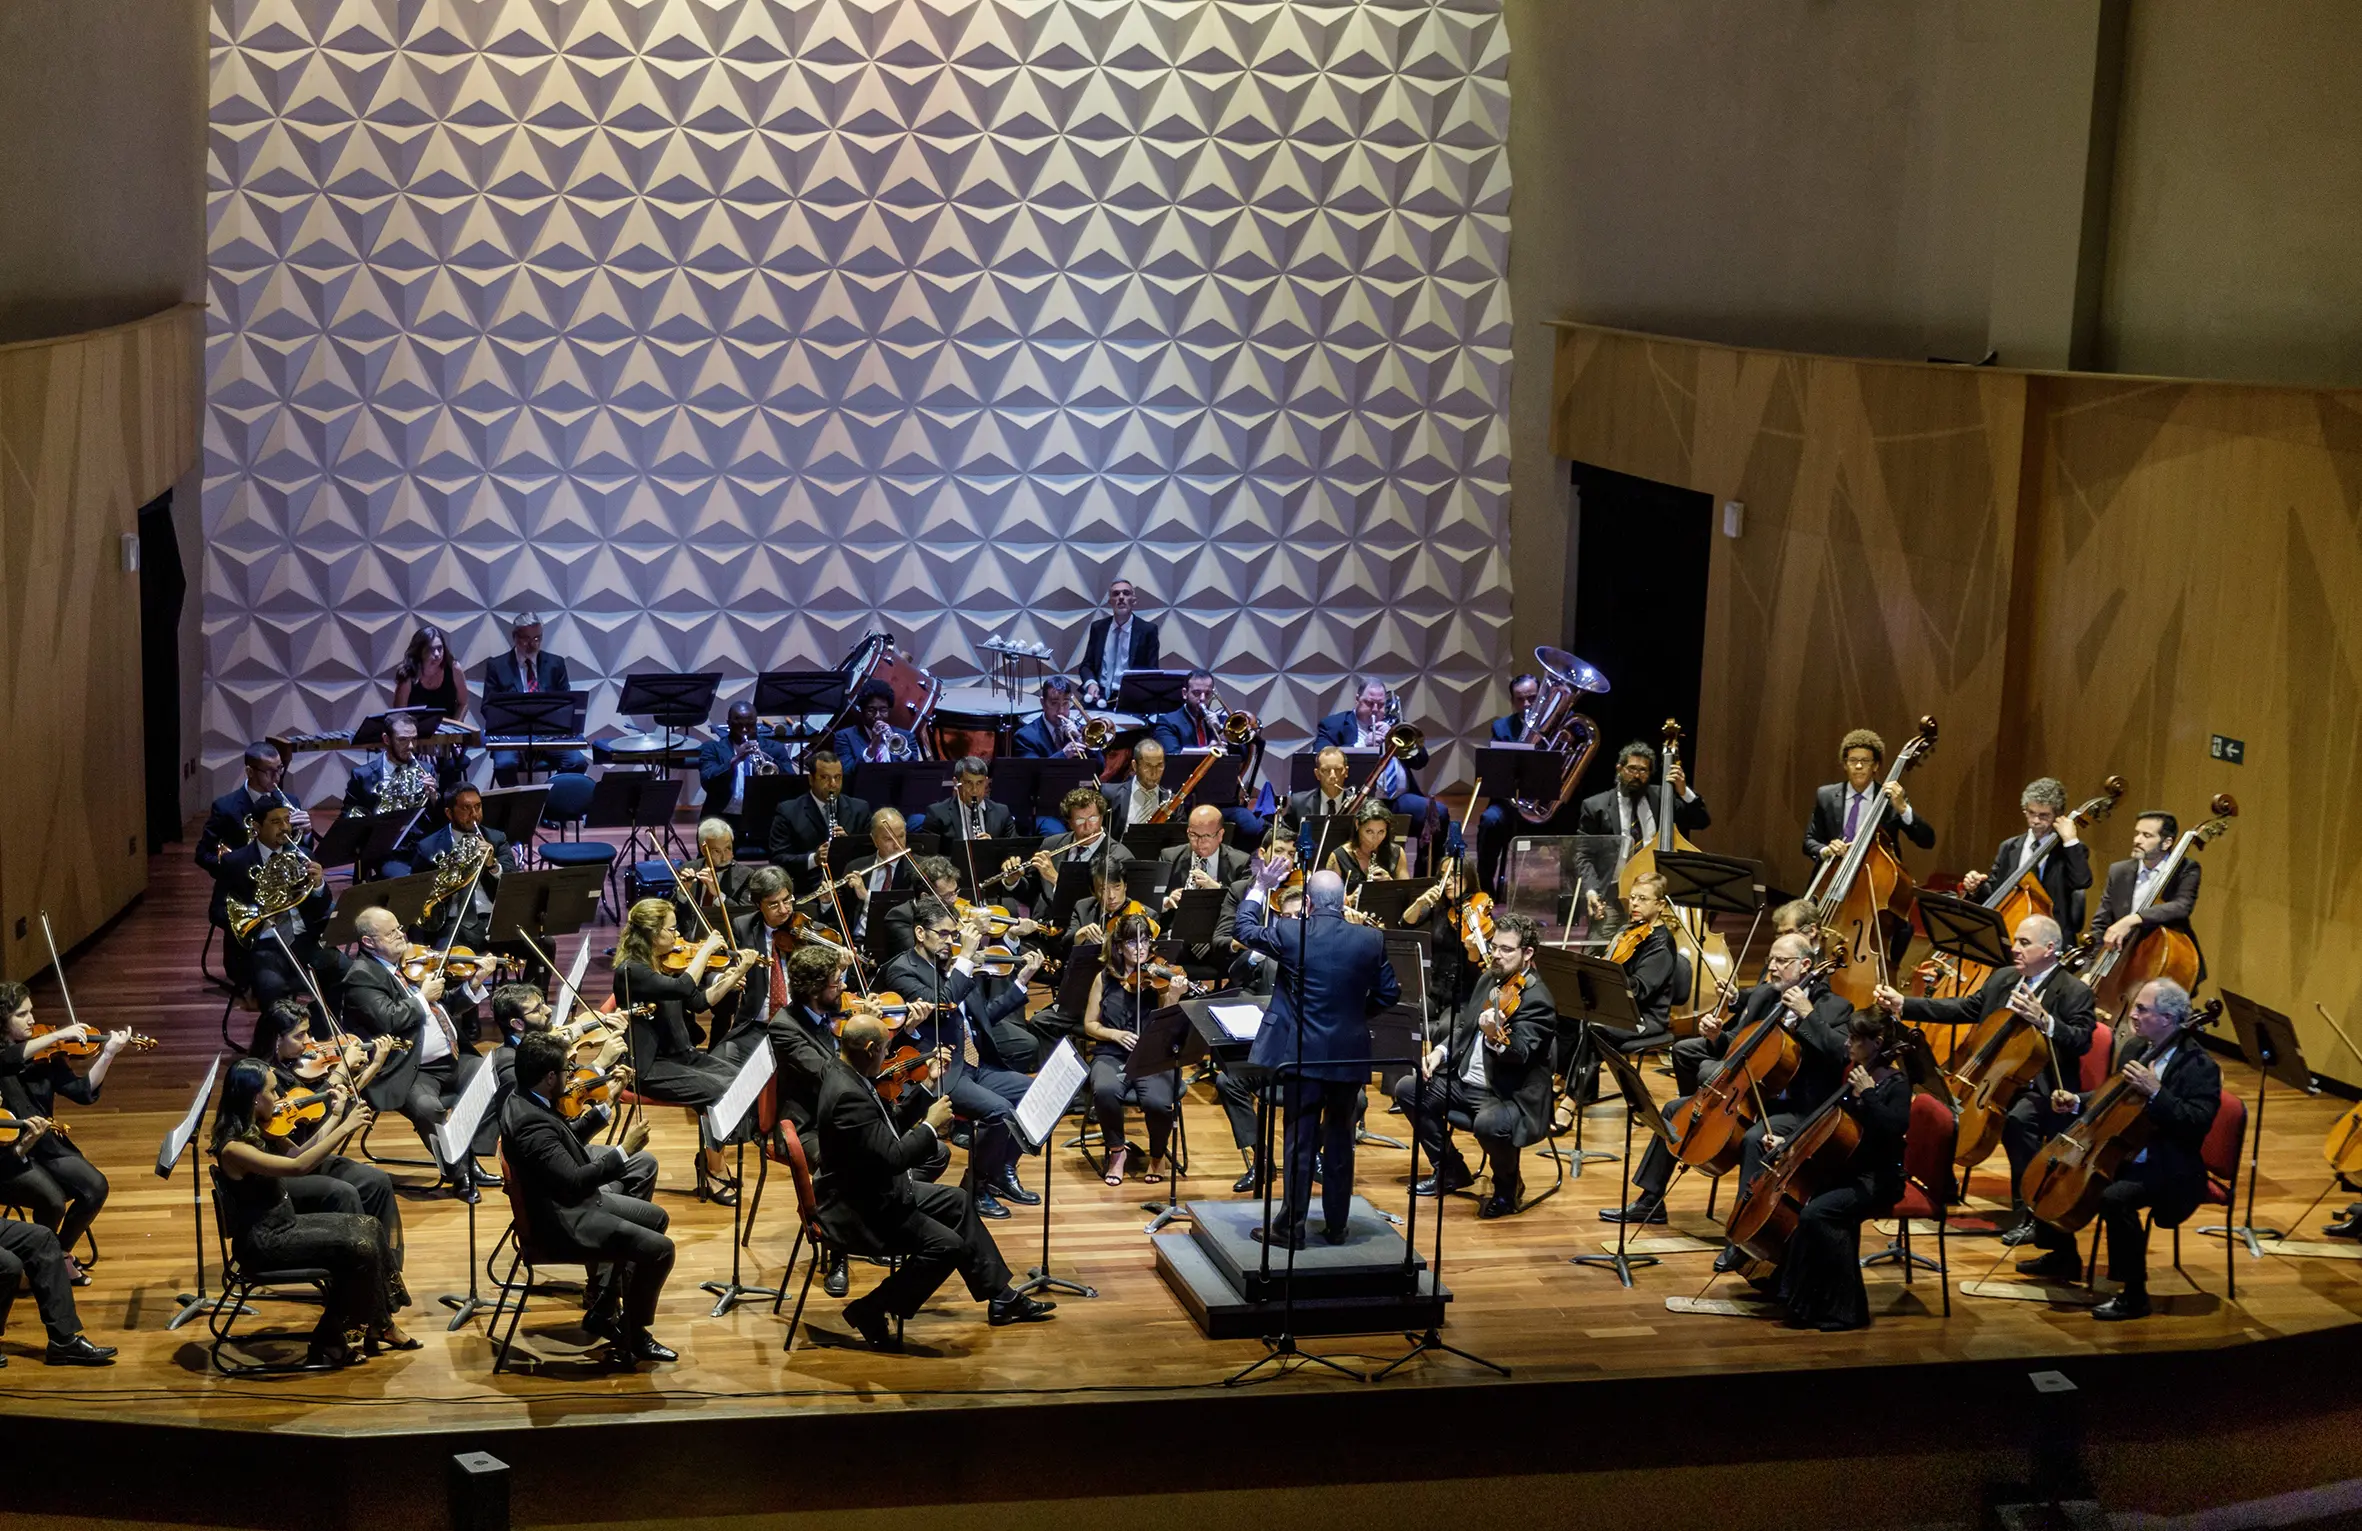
<point>1359,1287</point>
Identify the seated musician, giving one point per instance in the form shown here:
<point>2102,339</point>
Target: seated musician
<point>822,826</point>
<point>1205,859</point>
<point>715,884</point>
<point>2059,1004</point>
<point>267,1232</point>
<point>1135,797</point>
<point>1364,726</point>
<point>804,1043</point>
<point>970,813</point>
<point>1371,855</point>
<point>397,781</point>
<point>868,1199</point>
<point>523,669</point>
<point>936,875</point>
<point>1799,1004</point>
<point>1821,1278</point>
<point>469,910</point>
<point>2064,870</point>
<point>1110,899</point>
<point>427,677</point>
<point>2119,923</point>
<point>1491,1068</point>
<point>1117,643</point>
<point>1086,841</point>
<point>2166,1178</point>
<point>1119,1003</point>
<point>1523,692</point>
<point>1195,725</point>
<point>593,1040</point>
<point>727,764</point>
<point>1627,811</point>
<point>30,1254</point>
<point>870,737</point>
<point>46,1174</point>
<point>1323,800</point>
<point>1840,808</point>
<point>884,867</point>
<point>283,1039</point>
<point>424,1083</point>
<point>577,1210</point>
<point>938,975</point>
<point>670,1067</point>
<point>1646,949</point>
<point>270,959</point>
<point>1499,822</point>
<point>226,825</point>
<point>1056,735</point>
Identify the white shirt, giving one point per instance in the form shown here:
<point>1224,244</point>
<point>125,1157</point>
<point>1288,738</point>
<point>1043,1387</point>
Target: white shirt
<point>2143,875</point>
<point>1145,802</point>
<point>1392,780</point>
<point>1858,809</point>
<point>433,1041</point>
<point>2026,849</point>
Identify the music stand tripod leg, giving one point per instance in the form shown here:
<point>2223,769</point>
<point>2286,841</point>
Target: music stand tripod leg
<point>728,1294</point>
<point>2247,1230</point>
<point>1622,1262</point>
<point>465,1305</point>
<point>1039,1278</point>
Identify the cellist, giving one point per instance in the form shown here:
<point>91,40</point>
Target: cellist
<point>1821,1278</point>
<point>2064,870</point>
<point>2118,924</point>
<point>2059,1005</point>
<point>2167,1178</point>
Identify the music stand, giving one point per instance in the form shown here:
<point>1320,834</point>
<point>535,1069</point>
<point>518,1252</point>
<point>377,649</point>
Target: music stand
<point>1082,969</point>
<point>881,903</point>
<point>1506,771</point>
<point>635,801</point>
<point>674,702</point>
<point>722,1120</point>
<point>2270,1042</point>
<point>371,734</point>
<point>532,716</point>
<point>981,860</point>
<point>764,794</point>
<point>1140,881</point>
<point>1146,842</point>
<point>800,695</point>
<point>1168,1041</point>
<point>1055,779</point>
<point>341,845</point>
<point>383,834</point>
<point>1561,968</point>
<point>515,812</point>
<point>1963,928</point>
<point>1073,886</point>
<point>1150,692</point>
<point>176,1141</point>
<point>1192,921</point>
<point>1320,836</point>
<point>544,904</point>
<point>405,896</point>
<point>1218,788</point>
<point>1389,897</point>
<point>1013,784</point>
<point>1034,1122</point>
<point>1637,1105</point>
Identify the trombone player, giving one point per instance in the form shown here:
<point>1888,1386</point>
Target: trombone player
<point>1376,715</point>
<point>1202,723</point>
<point>1062,732</point>
<point>273,900</point>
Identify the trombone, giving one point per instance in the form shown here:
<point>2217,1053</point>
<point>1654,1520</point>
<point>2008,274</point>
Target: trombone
<point>1238,729</point>
<point>1403,741</point>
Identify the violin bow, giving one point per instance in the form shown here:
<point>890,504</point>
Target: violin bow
<point>695,907</point>
<point>58,964</point>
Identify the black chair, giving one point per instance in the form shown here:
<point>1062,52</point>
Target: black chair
<point>241,1286</point>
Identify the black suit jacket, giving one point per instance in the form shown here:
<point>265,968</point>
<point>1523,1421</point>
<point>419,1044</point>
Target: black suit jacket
<point>234,878</point>
<point>366,787</point>
<point>1144,655</point>
<point>1520,1072</point>
<point>1653,971</point>
<point>866,1158</point>
<point>1119,801</point>
<point>944,819</point>
<point>1178,730</point>
<point>1343,729</point>
<point>2170,908</point>
<point>2064,874</point>
<point>1597,814</point>
<point>717,764</point>
<point>438,920</point>
<point>848,745</point>
<point>2066,997</point>
<point>1035,741</point>
<point>803,1052</point>
<point>225,825</point>
<point>1233,868</point>
<point>2173,1164</point>
<point>376,1004</point>
<point>965,1013</point>
<point>1820,1035</point>
<point>499,674</point>
<point>1828,823</point>
<point>799,828</point>
<point>555,1174</point>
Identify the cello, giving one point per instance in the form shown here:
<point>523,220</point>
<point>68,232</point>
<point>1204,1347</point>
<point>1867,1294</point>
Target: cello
<point>2157,952</point>
<point>1712,970</point>
<point>2063,1181</point>
<point>1851,893</point>
<point>2015,900</point>
<point>1808,1162</point>
<point>1708,1127</point>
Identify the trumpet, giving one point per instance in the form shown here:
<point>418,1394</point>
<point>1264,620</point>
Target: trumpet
<point>1238,729</point>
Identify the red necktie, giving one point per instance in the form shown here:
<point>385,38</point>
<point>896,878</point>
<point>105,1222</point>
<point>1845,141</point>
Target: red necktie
<point>532,681</point>
<point>778,972</point>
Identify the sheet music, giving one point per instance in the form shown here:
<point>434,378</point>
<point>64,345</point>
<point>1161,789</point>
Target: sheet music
<point>1238,1022</point>
<point>177,1139</point>
<point>458,1131</point>
<point>723,1116</point>
<point>1045,1099</point>
<point>570,990</point>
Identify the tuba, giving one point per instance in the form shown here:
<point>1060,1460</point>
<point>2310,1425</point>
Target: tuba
<point>1552,723</point>
<point>283,881</point>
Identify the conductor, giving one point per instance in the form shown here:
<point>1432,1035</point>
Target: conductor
<point>1332,977</point>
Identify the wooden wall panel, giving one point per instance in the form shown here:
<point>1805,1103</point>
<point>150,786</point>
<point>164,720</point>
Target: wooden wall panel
<point>2077,574</point>
<point>91,428</point>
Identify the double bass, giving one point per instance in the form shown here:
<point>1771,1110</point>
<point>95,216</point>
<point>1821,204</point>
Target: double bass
<point>2015,901</point>
<point>2157,952</point>
<point>1712,969</point>
<point>1853,892</point>
<point>2063,1181</point>
<point>1709,1126</point>
<point>2343,1146</point>
<point>2003,1054</point>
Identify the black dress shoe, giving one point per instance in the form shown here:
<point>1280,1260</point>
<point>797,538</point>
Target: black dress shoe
<point>1017,1308</point>
<point>1443,1182</point>
<point>1648,1209</point>
<point>989,1205</point>
<point>872,1324</point>
<point>1335,1237</point>
<point>647,1347</point>
<point>2018,1232</point>
<point>78,1351</point>
<point>2347,1227</point>
<point>1730,1259</point>
<point>483,1176</point>
<point>835,1279</point>
<point>1250,1181</point>
<point>2054,1265</point>
<point>2122,1306</point>
<point>1276,1238</point>
<point>1497,1206</point>
<point>605,1323</point>
<point>1010,1189</point>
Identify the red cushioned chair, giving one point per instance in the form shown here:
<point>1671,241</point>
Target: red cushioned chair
<point>1927,1189</point>
<point>2225,1140</point>
<point>791,1152</point>
<point>2099,1059</point>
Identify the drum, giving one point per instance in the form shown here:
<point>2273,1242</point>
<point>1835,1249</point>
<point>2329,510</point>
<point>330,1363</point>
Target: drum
<point>914,689</point>
<point>646,750</point>
<point>971,720</point>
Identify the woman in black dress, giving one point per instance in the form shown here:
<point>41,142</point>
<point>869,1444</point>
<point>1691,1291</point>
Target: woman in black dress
<point>269,1234</point>
<point>1372,852</point>
<point>1821,1280</point>
<point>46,1174</point>
<point>427,677</point>
<point>283,1039</point>
<point>664,1055</point>
<point>1111,1020</point>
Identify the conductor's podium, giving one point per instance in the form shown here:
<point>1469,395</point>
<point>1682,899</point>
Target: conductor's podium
<point>1373,1283</point>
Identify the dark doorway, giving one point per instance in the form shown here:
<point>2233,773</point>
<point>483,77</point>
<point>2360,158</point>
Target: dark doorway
<point>161,590</point>
<point>1638,605</point>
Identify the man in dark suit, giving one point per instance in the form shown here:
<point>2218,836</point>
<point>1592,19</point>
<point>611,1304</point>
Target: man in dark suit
<point>526,669</point>
<point>1056,735</point>
<point>933,874</point>
<point>2124,917</point>
<point>727,764</point>
<point>1325,799</point>
<point>2167,1177</point>
<point>1840,808</point>
<point>1627,810</point>
<point>463,807</point>
<point>1205,860</point>
<point>868,1199</point>
<point>2059,1005</point>
<point>869,736</point>
<point>1133,647</point>
<point>808,831</point>
<point>1330,978</point>
<point>574,1208</point>
<point>2051,846</point>
<point>1195,727</point>
<point>884,866</point>
<point>266,960</point>
<point>424,1082</point>
<point>225,825</point>
<point>1522,693</point>
<point>1086,841</point>
<point>399,781</point>
<point>1364,726</point>
<point>1140,792</point>
<point>970,813</point>
<point>1491,1068</point>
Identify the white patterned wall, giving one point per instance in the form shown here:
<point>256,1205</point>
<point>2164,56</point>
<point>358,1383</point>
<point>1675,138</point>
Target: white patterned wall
<point>723,331</point>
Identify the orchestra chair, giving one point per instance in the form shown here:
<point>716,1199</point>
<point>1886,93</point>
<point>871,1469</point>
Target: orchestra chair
<point>2225,1139</point>
<point>241,1287</point>
<point>527,1252</point>
<point>567,807</point>
<point>1927,1191</point>
<point>767,1125</point>
<point>2099,1059</point>
<point>791,1149</point>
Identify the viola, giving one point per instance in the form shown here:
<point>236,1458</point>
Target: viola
<point>17,1124</point>
<point>1709,1127</point>
<point>89,1046</point>
<point>885,1004</point>
<point>2063,1181</point>
<point>1472,920</point>
<point>995,920</point>
<point>292,1112</point>
<point>320,1059</point>
<point>998,960</point>
<point>586,1089</point>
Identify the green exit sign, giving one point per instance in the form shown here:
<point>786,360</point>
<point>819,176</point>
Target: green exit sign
<point>2229,751</point>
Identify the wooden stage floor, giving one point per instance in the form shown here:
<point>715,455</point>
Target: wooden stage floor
<point>1517,1299</point>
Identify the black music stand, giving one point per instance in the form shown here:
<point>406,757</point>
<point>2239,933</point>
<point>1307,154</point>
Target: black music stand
<point>1146,842</point>
<point>800,695</point>
<point>515,812</point>
<point>881,903</point>
<point>1389,897</point>
<point>1963,928</point>
<point>1317,838</point>
<point>1013,784</point>
<point>1150,692</point>
<point>985,857</point>
<point>427,720</point>
<point>532,716</point>
<point>2270,1042</point>
<point>638,802</point>
<point>1169,1040</point>
<point>1561,969</point>
<point>1072,887</point>
<point>1074,985</point>
<point>542,905</point>
<point>1218,788</point>
<point>764,794</point>
<point>1637,1106</point>
<point>1192,921</point>
<point>1140,881</point>
<point>405,896</point>
<point>906,786</point>
<point>341,845</point>
<point>1519,771</point>
<point>674,703</point>
<point>1055,778</point>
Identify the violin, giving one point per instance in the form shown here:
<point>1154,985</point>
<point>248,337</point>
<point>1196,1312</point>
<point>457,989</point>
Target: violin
<point>904,1074</point>
<point>676,961</point>
<point>2063,1181</point>
<point>998,960</point>
<point>292,1112</point>
<point>461,964</point>
<point>320,1059</point>
<point>1709,1128</point>
<point>885,1004</point>
<point>18,1124</point>
<point>1472,919</point>
<point>1166,979</point>
<point>89,1046</point>
<point>586,1089</point>
<point>995,920</point>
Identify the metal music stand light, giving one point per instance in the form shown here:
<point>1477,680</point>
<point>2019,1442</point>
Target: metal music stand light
<point>2269,1040</point>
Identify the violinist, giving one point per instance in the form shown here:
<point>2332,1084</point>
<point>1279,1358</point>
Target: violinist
<point>869,737</point>
<point>970,813</point>
<point>727,764</point>
<point>936,876</point>
<point>46,1174</point>
<point>1110,900</point>
<point>715,884</point>
<point>2064,869</point>
<point>1840,808</point>
<point>1371,855</point>
<point>666,1060</point>
<point>2118,923</point>
<point>821,829</point>
<point>1821,1279</point>
<point>2060,1007</point>
<point>1645,949</point>
<point>260,960</point>
<point>301,1066</point>
<point>1141,792</point>
<point>1121,999</point>
<point>766,923</point>
<point>269,1234</point>
<point>2167,1177</point>
<point>1491,1070</point>
<point>572,1197</point>
<point>869,1199</point>
<point>424,1083</point>
<point>949,1012</point>
<point>1205,859</point>
<point>29,1253</point>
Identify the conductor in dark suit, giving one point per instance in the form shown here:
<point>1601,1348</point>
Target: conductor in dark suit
<point>727,764</point>
<point>1492,1069</point>
<point>2123,919</point>
<point>2059,1005</point>
<point>868,1200</point>
<point>1118,642</point>
<point>1331,977</point>
<point>970,813</point>
<point>1841,808</point>
<point>573,1205</point>
<point>2167,1177</point>
<point>525,669</point>
<point>225,825</point>
<point>822,817</point>
<point>2064,866</point>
